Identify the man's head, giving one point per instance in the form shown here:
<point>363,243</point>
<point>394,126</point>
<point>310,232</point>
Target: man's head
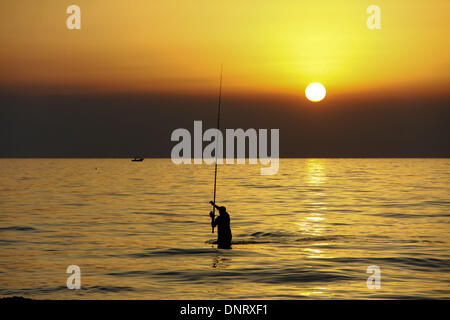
<point>222,210</point>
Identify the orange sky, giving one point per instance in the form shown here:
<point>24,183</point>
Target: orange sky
<point>265,46</point>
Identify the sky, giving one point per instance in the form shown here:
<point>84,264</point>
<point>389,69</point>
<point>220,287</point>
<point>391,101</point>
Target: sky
<point>160,60</point>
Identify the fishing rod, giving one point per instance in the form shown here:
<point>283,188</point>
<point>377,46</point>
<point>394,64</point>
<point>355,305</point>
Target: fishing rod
<point>215,168</point>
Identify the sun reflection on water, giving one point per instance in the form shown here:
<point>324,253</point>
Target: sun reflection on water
<point>315,172</point>
<point>315,177</point>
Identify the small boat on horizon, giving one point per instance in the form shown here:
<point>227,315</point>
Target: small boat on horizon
<point>137,159</point>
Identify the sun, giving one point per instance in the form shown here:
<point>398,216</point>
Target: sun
<point>315,92</point>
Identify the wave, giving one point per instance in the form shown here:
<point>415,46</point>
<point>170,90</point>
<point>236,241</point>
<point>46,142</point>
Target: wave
<point>17,228</point>
<point>154,213</point>
<point>170,252</point>
<point>276,237</point>
<point>51,290</point>
<point>424,264</point>
<point>269,276</point>
<point>408,215</point>
<point>261,186</point>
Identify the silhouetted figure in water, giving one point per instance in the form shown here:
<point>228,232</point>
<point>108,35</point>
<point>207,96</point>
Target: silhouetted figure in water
<point>223,226</point>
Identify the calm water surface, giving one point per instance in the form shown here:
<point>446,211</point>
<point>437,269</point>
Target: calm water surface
<point>141,230</point>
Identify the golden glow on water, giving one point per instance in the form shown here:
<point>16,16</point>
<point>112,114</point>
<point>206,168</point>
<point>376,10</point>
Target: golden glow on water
<point>138,230</point>
<point>315,169</point>
<point>314,178</point>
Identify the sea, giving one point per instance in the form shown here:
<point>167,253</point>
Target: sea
<point>318,229</point>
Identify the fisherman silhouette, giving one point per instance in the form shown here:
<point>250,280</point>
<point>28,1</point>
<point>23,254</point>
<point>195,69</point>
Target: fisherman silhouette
<point>223,226</point>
